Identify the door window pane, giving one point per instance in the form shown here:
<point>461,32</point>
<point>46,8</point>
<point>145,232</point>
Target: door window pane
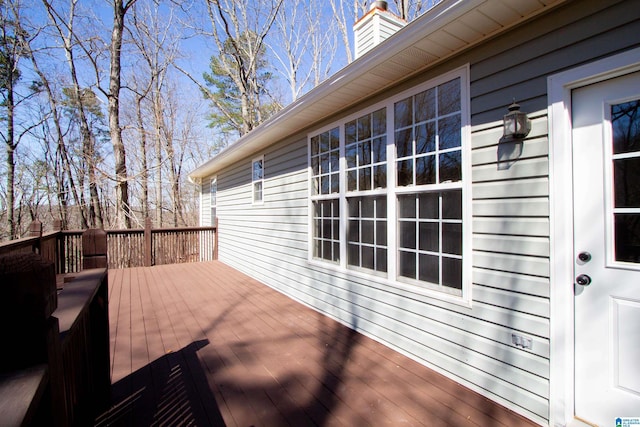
<point>625,121</point>
<point>627,236</point>
<point>625,124</point>
<point>626,175</point>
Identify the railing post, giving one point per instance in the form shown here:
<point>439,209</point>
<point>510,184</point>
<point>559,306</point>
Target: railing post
<point>60,248</point>
<point>35,230</point>
<point>94,249</point>
<point>215,240</point>
<point>148,261</point>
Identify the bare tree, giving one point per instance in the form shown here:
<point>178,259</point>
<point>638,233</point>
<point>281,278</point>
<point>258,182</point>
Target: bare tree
<point>10,53</point>
<point>14,96</point>
<point>123,209</point>
<point>410,10</point>
<point>239,30</point>
<point>304,45</point>
<point>157,44</point>
<point>81,101</point>
<point>140,95</point>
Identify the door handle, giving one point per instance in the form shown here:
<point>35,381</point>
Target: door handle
<point>584,256</point>
<point>583,280</point>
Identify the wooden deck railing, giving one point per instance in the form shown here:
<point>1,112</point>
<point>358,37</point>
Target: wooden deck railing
<point>125,248</point>
<point>56,367</point>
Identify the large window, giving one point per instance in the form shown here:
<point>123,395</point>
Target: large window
<point>366,174</point>
<point>428,145</point>
<point>387,188</point>
<point>325,184</point>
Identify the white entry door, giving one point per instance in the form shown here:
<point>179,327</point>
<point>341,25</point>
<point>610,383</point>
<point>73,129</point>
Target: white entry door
<point>606,209</point>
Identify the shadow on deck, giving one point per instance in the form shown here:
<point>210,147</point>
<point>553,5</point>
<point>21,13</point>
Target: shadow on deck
<point>202,344</point>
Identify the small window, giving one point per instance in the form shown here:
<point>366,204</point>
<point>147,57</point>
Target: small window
<point>213,199</point>
<point>257,179</point>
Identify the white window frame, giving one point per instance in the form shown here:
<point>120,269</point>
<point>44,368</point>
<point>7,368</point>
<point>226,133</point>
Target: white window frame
<point>257,181</point>
<point>391,278</point>
<point>316,196</point>
<point>213,199</point>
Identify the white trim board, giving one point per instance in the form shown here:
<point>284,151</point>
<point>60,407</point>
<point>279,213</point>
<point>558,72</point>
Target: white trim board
<point>559,88</point>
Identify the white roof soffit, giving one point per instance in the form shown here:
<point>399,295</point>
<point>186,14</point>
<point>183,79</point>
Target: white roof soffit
<point>448,28</point>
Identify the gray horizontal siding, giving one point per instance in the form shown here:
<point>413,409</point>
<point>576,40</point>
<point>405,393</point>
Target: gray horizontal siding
<point>510,259</point>
<point>270,243</point>
<point>516,65</point>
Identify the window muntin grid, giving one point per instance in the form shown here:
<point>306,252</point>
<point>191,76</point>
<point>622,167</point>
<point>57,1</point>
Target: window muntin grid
<point>326,230</point>
<point>367,233</point>
<point>625,125</point>
<point>325,162</point>
<point>366,151</point>
<point>430,238</point>
<point>428,136</point>
<point>257,179</point>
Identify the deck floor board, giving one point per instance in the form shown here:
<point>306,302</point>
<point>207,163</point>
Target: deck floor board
<point>202,344</point>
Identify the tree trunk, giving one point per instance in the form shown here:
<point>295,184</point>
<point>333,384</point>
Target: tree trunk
<point>143,158</point>
<point>157,117</point>
<point>11,163</point>
<point>123,211</point>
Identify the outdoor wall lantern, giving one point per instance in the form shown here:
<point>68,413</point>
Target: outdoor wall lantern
<point>516,123</point>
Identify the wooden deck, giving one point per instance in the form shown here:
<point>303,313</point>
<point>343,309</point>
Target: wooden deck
<point>202,344</point>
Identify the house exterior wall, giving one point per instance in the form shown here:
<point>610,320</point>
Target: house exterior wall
<point>510,218</point>
<point>205,202</point>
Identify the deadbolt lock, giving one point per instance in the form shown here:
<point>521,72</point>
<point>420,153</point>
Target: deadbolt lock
<point>583,280</point>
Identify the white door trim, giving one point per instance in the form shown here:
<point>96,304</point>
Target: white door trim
<point>559,87</point>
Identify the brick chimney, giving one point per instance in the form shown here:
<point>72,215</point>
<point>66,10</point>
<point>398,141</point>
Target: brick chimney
<point>374,27</point>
